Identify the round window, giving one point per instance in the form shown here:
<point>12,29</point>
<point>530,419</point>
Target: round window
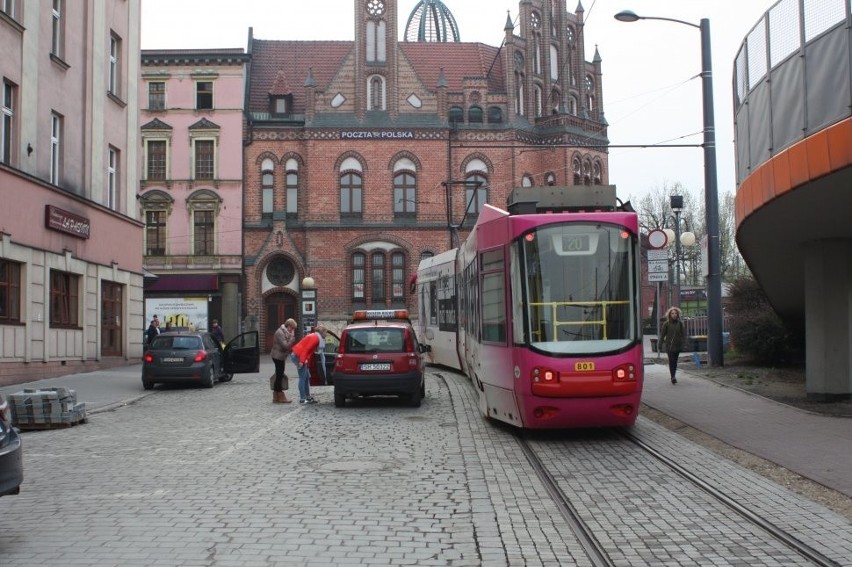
<point>280,272</point>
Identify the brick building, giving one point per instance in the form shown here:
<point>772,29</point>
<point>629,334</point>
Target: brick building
<point>364,156</point>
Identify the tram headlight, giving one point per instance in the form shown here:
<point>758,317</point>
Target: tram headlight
<point>624,373</point>
<point>545,375</point>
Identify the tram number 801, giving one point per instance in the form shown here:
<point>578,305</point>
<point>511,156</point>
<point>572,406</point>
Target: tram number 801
<point>584,366</point>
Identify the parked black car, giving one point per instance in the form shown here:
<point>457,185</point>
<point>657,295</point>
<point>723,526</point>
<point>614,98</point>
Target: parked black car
<point>11,459</point>
<point>197,357</point>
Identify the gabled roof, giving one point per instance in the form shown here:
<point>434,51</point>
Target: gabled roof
<point>204,124</point>
<point>156,124</point>
<point>277,65</point>
<point>459,60</point>
<point>292,59</point>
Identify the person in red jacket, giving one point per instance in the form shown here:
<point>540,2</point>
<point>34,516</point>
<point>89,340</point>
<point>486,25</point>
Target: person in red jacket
<point>301,353</point>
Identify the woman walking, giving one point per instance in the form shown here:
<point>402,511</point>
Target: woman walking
<point>672,337</point>
<point>282,342</point>
<point>301,353</point>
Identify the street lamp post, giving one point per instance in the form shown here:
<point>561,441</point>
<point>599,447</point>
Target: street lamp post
<point>711,191</point>
<point>676,202</point>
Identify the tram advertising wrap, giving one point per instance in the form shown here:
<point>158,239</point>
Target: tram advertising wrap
<point>539,307</point>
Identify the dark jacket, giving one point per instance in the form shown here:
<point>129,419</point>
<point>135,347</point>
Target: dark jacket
<point>152,332</point>
<point>672,336</point>
<point>217,334</point>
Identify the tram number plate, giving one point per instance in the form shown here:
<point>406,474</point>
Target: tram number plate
<point>584,366</point>
<point>376,366</point>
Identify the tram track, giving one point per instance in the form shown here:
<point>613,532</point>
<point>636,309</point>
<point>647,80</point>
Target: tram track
<point>595,550</point>
<point>779,534</point>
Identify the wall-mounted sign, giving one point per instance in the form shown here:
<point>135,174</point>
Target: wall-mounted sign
<point>377,135</point>
<point>66,222</point>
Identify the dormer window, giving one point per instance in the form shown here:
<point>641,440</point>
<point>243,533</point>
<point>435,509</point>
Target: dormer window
<point>281,105</point>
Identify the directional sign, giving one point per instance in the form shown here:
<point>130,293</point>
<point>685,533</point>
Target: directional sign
<point>658,277</point>
<point>658,255</point>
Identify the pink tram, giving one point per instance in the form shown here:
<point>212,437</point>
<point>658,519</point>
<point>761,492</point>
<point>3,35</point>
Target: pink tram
<point>539,307</point>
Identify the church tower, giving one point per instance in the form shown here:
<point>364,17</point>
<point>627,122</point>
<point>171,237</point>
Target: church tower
<point>376,36</point>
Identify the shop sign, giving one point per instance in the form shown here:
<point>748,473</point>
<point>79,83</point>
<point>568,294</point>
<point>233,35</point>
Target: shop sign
<point>66,222</point>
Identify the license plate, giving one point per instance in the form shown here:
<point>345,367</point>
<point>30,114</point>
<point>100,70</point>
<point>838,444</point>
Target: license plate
<point>584,366</point>
<point>172,359</point>
<point>376,366</point>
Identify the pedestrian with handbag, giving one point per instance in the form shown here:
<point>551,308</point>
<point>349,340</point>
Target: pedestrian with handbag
<point>672,337</point>
<point>282,342</point>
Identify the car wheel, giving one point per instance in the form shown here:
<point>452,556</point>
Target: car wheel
<point>226,378</point>
<point>414,399</point>
<point>339,400</point>
<point>209,378</point>
<point>147,384</point>
<point>423,390</point>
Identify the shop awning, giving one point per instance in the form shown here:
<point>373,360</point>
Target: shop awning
<point>185,282</point>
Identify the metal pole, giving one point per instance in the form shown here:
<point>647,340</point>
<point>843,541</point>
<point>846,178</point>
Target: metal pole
<point>711,207</point>
<point>657,317</point>
<point>676,301</point>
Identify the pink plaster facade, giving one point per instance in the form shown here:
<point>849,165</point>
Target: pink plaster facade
<point>191,201</point>
<point>70,287</point>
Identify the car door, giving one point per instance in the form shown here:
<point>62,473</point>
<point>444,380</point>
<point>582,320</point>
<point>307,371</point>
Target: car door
<point>321,376</point>
<point>242,354</point>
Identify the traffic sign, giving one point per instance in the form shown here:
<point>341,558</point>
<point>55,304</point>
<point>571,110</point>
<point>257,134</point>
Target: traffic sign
<point>657,238</point>
<point>657,267</point>
<point>658,255</point>
<point>658,277</point>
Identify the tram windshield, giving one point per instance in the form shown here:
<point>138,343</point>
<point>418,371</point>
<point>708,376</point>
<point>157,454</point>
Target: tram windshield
<point>574,288</point>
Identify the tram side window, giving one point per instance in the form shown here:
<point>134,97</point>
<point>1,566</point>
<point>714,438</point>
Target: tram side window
<point>493,294</point>
<point>433,303</point>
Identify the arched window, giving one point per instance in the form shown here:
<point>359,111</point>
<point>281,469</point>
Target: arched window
<point>519,94</point>
<point>350,194</point>
<point>404,194</point>
<point>537,93</point>
<point>397,277</point>
<point>474,115</point>
<point>554,63</point>
<point>597,174</point>
<point>292,180</point>
<point>550,179</point>
<point>376,93</point>
<point>587,172</point>
<point>267,168</point>
<point>456,114</point>
<point>475,193</point>
<point>577,168</point>
<point>376,32</point>
<point>572,105</point>
<point>555,101</point>
<point>527,181</point>
<point>495,115</point>
<point>590,93</point>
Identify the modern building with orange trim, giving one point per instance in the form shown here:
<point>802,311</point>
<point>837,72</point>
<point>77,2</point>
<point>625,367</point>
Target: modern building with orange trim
<point>793,122</point>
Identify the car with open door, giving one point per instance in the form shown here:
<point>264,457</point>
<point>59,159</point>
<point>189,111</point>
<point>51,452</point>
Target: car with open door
<point>196,357</point>
<point>322,376</point>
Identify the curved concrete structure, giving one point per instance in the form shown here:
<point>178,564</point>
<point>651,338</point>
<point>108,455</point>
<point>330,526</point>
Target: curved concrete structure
<point>793,115</point>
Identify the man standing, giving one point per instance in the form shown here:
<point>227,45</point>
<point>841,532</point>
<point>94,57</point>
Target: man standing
<point>153,329</point>
<point>217,333</point>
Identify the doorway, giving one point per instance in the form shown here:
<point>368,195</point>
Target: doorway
<point>279,308</point>
<point>112,307</point>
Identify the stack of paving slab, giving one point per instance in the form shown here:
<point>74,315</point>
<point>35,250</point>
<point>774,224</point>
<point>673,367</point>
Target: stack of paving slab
<point>46,409</point>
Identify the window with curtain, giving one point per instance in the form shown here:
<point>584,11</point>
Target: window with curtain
<point>64,299</point>
<point>397,276</point>
<point>267,188</point>
<point>358,276</point>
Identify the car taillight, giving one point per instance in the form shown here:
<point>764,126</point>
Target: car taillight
<point>200,356</point>
<point>148,357</point>
<point>409,342</point>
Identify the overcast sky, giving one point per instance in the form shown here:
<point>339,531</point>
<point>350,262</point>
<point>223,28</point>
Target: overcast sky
<point>652,91</point>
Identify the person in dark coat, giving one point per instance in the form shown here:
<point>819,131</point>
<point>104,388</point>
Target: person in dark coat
<point>153,329</point>
<point>217,333</point>
<point>672,337</point>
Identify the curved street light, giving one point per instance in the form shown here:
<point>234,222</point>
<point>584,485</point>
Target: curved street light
<point>711,191</point>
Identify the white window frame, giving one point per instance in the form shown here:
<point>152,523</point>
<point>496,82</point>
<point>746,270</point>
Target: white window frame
<point>267,201</point>
<point>55,147</point>
<point>205,138</point>
<point>114,64</point>
<point>112,178</point>
<point>292,191</point>
<point>57,39</point>
<point>7,123</point>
